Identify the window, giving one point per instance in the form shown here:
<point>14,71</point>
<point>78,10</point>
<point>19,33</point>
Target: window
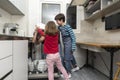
<point>49,11</point>
<point>74,17</point>
<point>71,16</point>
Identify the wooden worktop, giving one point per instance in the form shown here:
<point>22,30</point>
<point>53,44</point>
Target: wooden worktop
<point>13,37</point>
<point>103,45</point>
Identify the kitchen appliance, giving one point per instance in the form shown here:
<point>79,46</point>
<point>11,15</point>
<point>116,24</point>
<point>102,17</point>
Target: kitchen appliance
<point>10,28</point>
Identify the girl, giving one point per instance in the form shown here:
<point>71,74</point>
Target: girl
<point>51,37</point>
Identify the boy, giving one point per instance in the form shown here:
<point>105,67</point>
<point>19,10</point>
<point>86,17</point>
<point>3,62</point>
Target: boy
<point>69,43</point>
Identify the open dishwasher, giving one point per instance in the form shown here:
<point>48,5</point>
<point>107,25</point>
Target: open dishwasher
<point>37,67</point>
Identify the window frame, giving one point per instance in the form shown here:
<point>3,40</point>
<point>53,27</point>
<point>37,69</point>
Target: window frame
<point>50,4</point>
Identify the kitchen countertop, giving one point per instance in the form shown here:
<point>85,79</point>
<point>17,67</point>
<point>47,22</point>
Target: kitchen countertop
<point>102,45</point>
<point>13,37</point>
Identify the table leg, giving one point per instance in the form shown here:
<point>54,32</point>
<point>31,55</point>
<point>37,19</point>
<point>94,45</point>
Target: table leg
<point>111,51</point>
<point>86,63</point>
<point>87,55</point>
<point>87,58</point>
<point>111,65</point>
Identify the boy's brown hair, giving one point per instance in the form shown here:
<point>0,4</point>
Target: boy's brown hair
<point>60,17</point>
<point>51,28</point>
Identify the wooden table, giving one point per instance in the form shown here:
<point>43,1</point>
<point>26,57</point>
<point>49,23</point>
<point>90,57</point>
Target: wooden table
<point>111,48</point>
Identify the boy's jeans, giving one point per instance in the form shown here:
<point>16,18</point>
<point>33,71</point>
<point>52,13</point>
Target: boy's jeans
<point>70,63</point>
<point>73,61</point>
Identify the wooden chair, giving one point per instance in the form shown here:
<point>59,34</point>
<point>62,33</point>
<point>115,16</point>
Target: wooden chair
<point>117,72</point>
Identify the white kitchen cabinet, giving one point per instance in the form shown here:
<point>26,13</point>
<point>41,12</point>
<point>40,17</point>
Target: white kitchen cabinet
<point>20,4</point>
<point>5,49</point>
<point>5,66</point>
<point>14,7</point>
<point>10,77</point>
<point>13,57</point>
<point>20,53</point>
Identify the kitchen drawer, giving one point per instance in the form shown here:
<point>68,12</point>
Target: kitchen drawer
<point>10,77</point>
<point>5,49</point>
<point>5,66</point>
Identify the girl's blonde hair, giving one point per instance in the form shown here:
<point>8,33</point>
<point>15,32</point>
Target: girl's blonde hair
<point>51,28</point>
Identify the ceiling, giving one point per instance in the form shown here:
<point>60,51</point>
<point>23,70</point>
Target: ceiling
<point>78,2</point>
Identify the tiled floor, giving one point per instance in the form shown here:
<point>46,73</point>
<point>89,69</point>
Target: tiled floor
<point>85,74</point>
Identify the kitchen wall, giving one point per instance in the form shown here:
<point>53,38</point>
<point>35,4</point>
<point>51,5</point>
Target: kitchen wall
<point>22,20</point>
<point>4,18</point>
<point>95,31</point>
<point>35,11</point>
<point>34,15</point>
<point>19,19</point>
<point>105,36</point>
